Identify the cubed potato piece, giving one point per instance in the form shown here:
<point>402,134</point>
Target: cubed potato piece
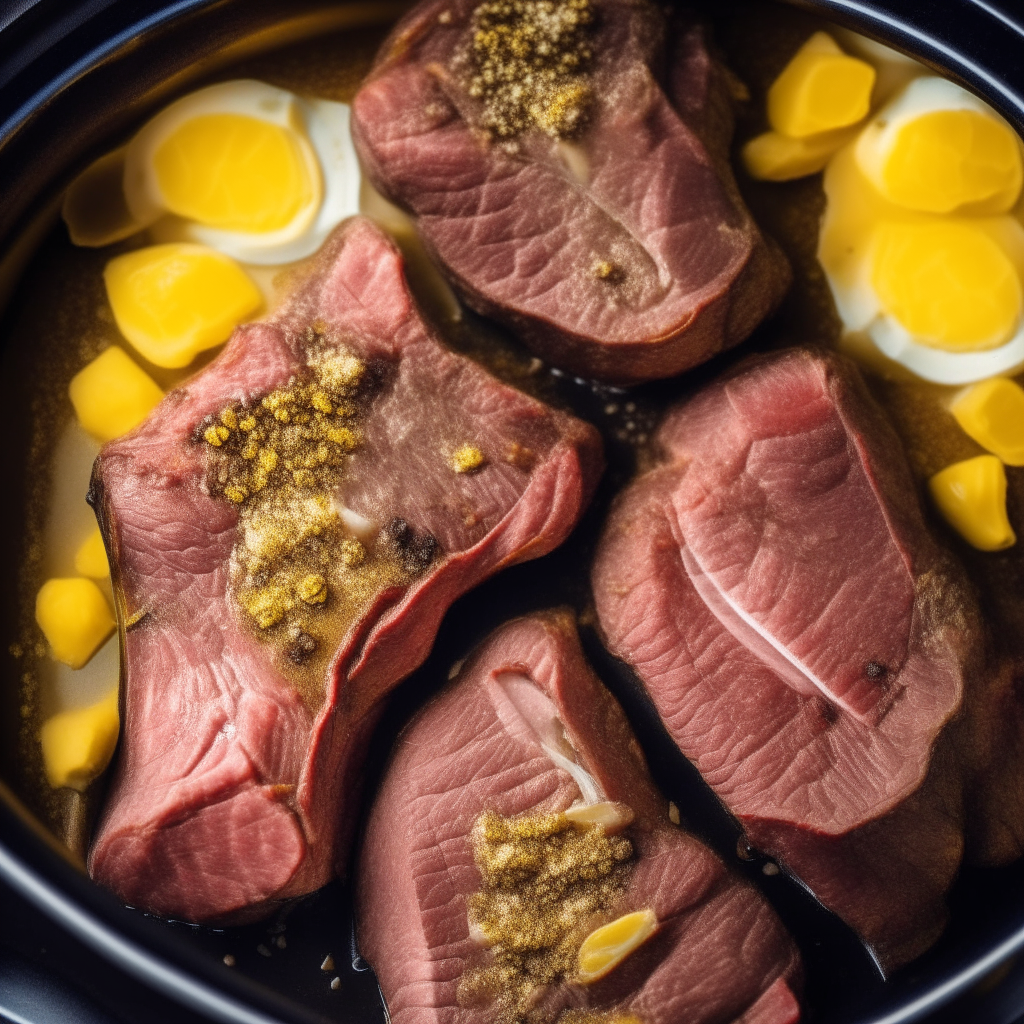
<point>176,300</point>
<point>819,90</point>
<point>77,745</point>
<point>992,413</point>
<point>74,617</point>
<point>91,557</point>
<point>113,395</point>
<point>776,157</point>
<point>95,209</point>
<point>971,495</point>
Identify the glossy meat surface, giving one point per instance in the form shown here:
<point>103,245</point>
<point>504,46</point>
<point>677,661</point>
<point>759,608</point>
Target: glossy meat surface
<point>720,954</point>
<point>239,774</point>
<point>807,644</point>
<point>644,189</point>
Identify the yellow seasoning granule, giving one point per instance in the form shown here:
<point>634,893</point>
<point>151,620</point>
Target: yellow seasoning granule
<point>352,552</point>
<point>543,879</point>
<point>467,459</point>
<point>529,63</point>
<point>597,1017</point>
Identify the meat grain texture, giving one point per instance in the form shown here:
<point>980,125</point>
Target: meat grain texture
<point>811,649</point>
<point>624,252</point>
<point>232,788</point>
<point>720,954</point>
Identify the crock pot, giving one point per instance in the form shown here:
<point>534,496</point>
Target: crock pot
<point>74,77</point>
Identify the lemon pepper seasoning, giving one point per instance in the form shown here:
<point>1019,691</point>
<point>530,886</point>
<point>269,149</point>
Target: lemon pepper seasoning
<point>529,62</point>
<point>280,458</point>
<point>543,878</point>
<point>467,459</point>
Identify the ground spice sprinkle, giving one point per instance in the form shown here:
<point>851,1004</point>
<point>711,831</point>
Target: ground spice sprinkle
<point>280,458</point>
<point>543,880</point>
<point>529,62</point>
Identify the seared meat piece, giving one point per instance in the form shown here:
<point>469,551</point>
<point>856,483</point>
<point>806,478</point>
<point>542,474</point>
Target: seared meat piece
<point>568,168</point>
<point>469,868</point>
<point>807,643</point>
<point>286,532</point>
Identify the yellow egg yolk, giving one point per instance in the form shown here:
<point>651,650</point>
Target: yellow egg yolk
<point>235,172</point>
<point>948,283</point>
<point>174,301</point>
<point>944,160</point>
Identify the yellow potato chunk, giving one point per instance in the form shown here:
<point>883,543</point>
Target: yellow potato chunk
<point>944,160</point>
<point>948,283</point>
<point>112,395</point>
<point>174,301</point>
<point>74,617</point>
<point>95,209</point>
<point>819,90</point>
<point>971,495</point>
<point>91,557</point>
<point>235,172</point>
<point>77,745</point>
<point>606,947</point>
<point>776,157</point>
<point>992,413</point>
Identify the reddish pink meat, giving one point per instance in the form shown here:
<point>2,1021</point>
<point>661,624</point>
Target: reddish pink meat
<point>720,955</point>
<point>230,790</point>
<point>808,645</point>
<point>646,187</point>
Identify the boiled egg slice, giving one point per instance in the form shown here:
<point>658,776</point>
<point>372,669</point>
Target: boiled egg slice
<point>941,296</point>
<point>245,168</point>
<point>893,69</point>
<point>938,149</point>
<point>94,206</point>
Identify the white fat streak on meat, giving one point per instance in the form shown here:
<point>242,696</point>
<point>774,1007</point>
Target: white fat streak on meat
<point>530,716</point>
<point>754,637</point>
<point>363,529</point>
<point>576,161</point>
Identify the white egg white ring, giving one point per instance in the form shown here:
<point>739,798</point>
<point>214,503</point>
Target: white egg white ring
<point>892,339</point>
<point>327,125</point>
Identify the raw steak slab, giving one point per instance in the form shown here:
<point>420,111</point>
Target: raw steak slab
<point>720,954</point>
<point>809,647</point>
<point>240,761</point>
<point>622,251</point>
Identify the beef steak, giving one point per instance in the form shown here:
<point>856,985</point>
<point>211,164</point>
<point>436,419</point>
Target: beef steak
<point>808,645</point>
<point>611,238</point>
<point>274,587</point>
<point>486,750</point>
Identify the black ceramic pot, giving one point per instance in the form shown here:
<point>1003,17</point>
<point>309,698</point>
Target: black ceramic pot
<point>75,75</point>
